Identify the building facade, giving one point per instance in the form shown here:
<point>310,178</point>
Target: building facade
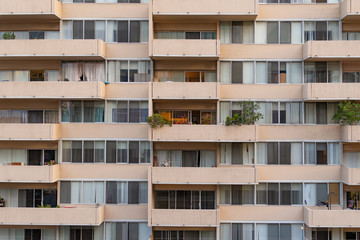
<point>79,78</point>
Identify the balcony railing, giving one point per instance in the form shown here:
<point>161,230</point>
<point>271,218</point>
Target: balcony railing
<point>38,174</point>
<point>190,218</point>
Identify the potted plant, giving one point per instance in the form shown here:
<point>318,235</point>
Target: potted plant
<point>8,35</point>
<point>348,113</point>
<point>2,202</point>
<point>249,114</point>
<point>157,120</point>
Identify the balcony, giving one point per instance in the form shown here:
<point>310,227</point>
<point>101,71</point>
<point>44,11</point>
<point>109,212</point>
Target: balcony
<point>46,90</point>
<point>184,90</point>
<point>215,10</point>
<point>349,10</point>
<point>272,173</point>
<point>337,217</point>
<point>351,133</point>
<point>350,176</point>
<point>188,218</point>
<point>204,175</point>
<point>103,171</point>
<point>331,50</point>
<point>261,91</point>
<point>261,213</point>
<point>53,49</point>
<point>261,51</point>
<point>331,91</point>
<point>185,48</point>
<point>126,212</point>
<point>22,131</point>
<point>30,9</point>
<point>127,90</point>
<point>35,174</point>
<point>205,133</point>
<point>104,130</point>
<point>298,132</point>
<point>84,216</point>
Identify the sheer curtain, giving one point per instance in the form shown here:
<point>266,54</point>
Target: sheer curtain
<point>248,72</point>
<point>75,192</point>
<point>225,153</point>
<point>100,30</point>
<point>295,72</point>
<point>225,29</point>
<point>111,31</point>
<point>225,194</point>
<point>248,153</point>
<point>67,29</point>
<point>64,233</point>
<point>334,153</point>
<point>261,33</point>
<point>333,31</point>
<point>331,111</point>
<point>310,153</point>
<point>224,111</point>
<point>98,232</point>
<point>334,72</point>
<point>225,231</point>
<point>21,76</point>
<point>49,234</point>
<point>143,189</point>
<point>122,192</point>
<point>19,155</point>
<point>210,76</point>
<point>296,153</point>
<point>144,31</point>
<point>99,192</point>
<point>70,71</point>
<point>248,32</point>
<point>296,33</point>
<point>207,158</point>
<point>5,156</point>
<point>144,231</point>
<point>261,72</point>
<point>310,113</point>
<point>6,76</point>
<point>261,153</point>
<point>262,231</point>
<point>225,72</point>
<point>310,194</point>
<point>175,158</point>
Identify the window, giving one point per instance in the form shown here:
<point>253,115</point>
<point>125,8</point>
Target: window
<point>321,30</point>
<point>87,192</point>
<point>237,32</point>
<point>185,76</point>
<point>129,71</point>
<point>127,111</point>
<point>40,157</point>
<point>90,71</point>
<point>266,72</point>
<point>317,193</point>
<point>82,111</point>
<point>179,235</point>
<point>116,151</point>
<point>351,77</point>
<point>320,113</point>
<point>351,36</point>
<point>127,31</point>
<point>281,112</point>
<point>34,34</point>
<point>205,117</point>
<point>126,192</point>
<point>322,72</point>
<point>29,116</point>
<point>279,194</point>
<point>276,32</point>
<point>236,153</point>
<point>127,230</point>
<point>37,197</point>
<point>179,199</point>
<point>184,158</point>
<point>322,153</point>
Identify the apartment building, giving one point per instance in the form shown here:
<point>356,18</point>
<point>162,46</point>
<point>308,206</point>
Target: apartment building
<point>79,78</point>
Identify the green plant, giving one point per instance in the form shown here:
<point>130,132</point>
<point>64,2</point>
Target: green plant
<point>8,35</point>
<point>157,120</point>
<point>248,115</point>
<point>44,206</point>
<point>348,113</point>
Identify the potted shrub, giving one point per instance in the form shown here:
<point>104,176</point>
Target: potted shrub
<point>348,113</point>
<point>157,120</point>
<point>248,115</point>
<point>8,35</point>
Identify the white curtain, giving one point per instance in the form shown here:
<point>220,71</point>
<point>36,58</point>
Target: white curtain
<point>225,72</point>
<point>248,153</point>
<point>210,76</point>
<point>262,231</point>
<point>334,153</point>
<point>70,71</point>
<point>19,155</point>
<point>310,194</point>
<point>296,231</point>
<point>331,111</point>
<point>225,153</point>
<point>336,234</point>
<point>296,72</point>
<point>64,233</point>
<point>144,31</point>
<point>75,192</point>
<point>111,72</point>
<point>21,76</point>
<point>6,76</point>
<point>162,156</point>
<point>334,72</point>
<point>224,111</point>
<point>122,192</point>
<point>5,156</point>
<point>144,231</point>
<point>100,30</point>
<point>248,72</point>
<point>52,35</point>
<point>52,75</point>
<point>333,30</point>
<point>111,31</point>
<point>349,159</point>
<point>99,192</point>
<point>99,71</point>
<point>110,105</point>
<point>248,229</point>
<point>225,29</point>
<point>99,232</point>
<point>288,112</point>
<point>207,158</point>
<point>175,158</point>
<point>14,197</point>
<point>4,234</point>
<point>208,235</point>
<point>67,29</point>
<point>261,72</point>
<point>248,32</point>
<point>260,153</point>
<point>296,113</point>
<point>296,33</point>
<point>310,114</point>
<point>261,33</point>
<point>310,153</point>
<point>225,232</point>
<point>296,153</point>
<point>49,234</point>
<point>225,194</point>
